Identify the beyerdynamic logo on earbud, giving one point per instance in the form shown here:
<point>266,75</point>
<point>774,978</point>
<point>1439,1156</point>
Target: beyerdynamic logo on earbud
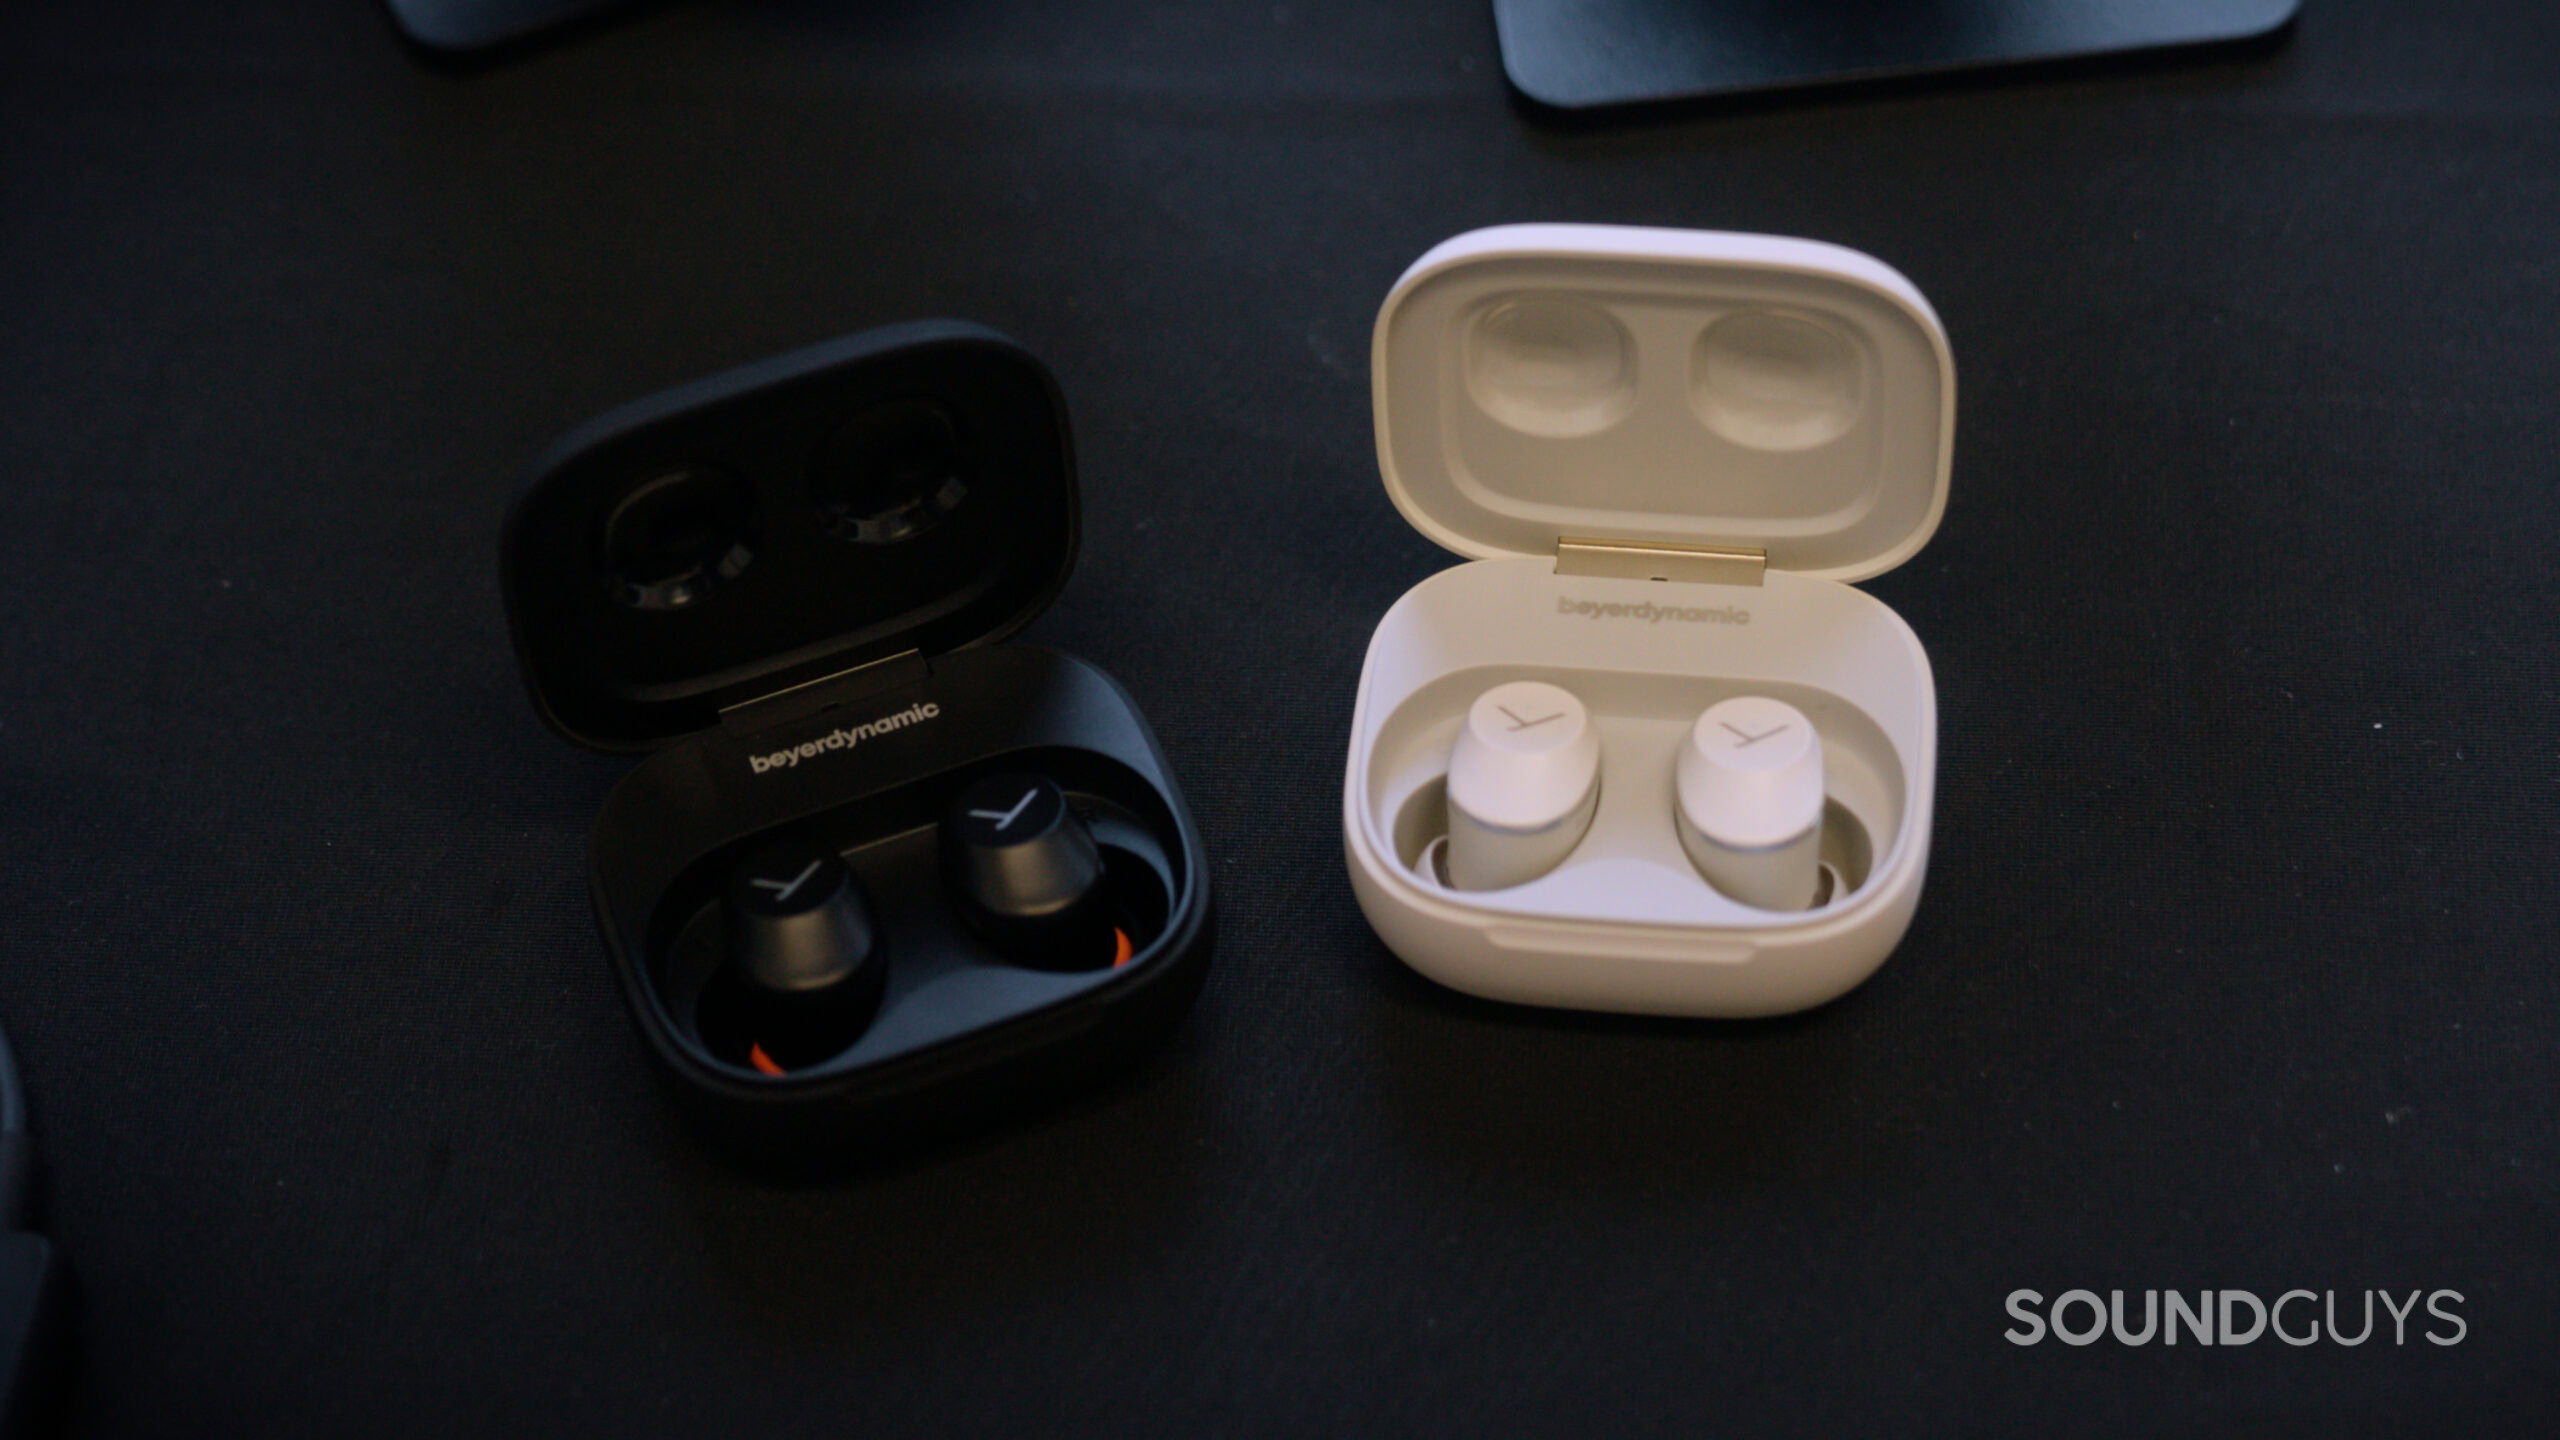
<point>1652,614</point>
<point>843,738</point>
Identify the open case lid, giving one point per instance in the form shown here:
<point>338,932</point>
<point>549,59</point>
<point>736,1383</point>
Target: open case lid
<point>908,488</point>
<point>1540,382</point>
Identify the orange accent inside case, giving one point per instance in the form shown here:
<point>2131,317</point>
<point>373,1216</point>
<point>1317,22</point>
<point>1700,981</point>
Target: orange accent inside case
<point>762,1061</point>
<point>1121,956</point>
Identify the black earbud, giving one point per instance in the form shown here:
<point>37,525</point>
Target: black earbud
<point>801,936</point>
<point>1026,874</point>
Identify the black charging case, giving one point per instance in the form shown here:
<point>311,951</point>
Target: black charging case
<point>787,581</point>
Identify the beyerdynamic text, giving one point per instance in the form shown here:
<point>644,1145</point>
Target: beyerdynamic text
<point>1653,614</point>
<point>843,738</point>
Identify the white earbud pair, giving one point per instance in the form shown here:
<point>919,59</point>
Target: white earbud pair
<point>1524,782</point>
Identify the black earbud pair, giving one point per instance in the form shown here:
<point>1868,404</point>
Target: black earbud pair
<point>1022,869</point>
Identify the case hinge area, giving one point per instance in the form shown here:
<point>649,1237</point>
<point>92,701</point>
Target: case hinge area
<point>1627,560</point>
<point>825,692</point>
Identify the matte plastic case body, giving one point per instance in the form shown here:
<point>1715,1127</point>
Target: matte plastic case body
<point>1668,452</point>
<point>840,693</point>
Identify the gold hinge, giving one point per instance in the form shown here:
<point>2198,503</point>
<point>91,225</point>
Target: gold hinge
<point>1626,560</point>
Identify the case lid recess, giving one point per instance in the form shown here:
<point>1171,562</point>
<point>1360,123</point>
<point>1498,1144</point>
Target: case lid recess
<point>1679,388</point>
<point>908,488</point>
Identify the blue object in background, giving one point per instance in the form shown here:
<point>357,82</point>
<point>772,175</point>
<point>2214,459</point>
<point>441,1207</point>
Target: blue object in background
<point>1582,54</point>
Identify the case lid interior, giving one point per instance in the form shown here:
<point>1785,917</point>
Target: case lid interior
<point>1540,382</point>
<point>908,488</point>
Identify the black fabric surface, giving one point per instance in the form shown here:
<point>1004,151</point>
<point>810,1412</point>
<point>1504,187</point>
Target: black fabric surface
<point>2235,966</point>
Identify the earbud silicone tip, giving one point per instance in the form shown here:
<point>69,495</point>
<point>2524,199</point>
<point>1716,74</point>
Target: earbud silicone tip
<point>1749,801</point>
<point>1524,781</point>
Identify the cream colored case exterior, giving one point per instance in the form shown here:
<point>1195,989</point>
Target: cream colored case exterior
<point>1666,453</point>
